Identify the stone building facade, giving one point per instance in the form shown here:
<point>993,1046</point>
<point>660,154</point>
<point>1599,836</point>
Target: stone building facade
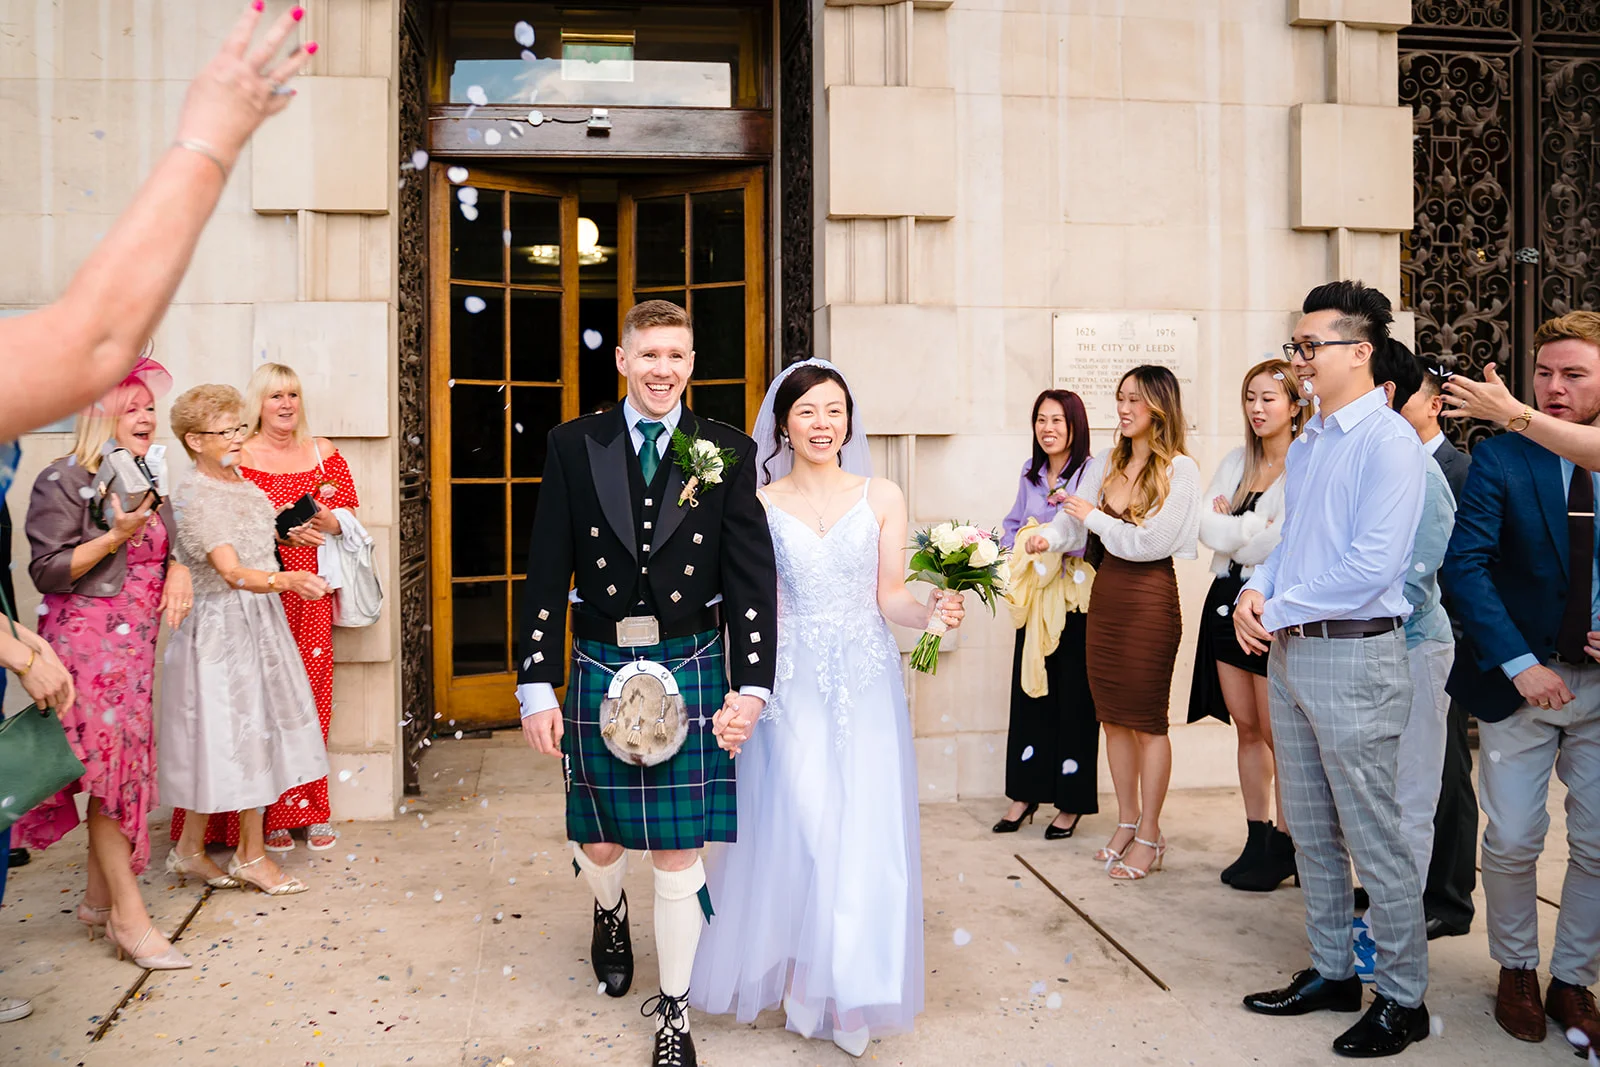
<point>923,191</point>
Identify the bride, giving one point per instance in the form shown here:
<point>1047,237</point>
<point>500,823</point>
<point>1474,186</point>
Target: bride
<point>821,897</point>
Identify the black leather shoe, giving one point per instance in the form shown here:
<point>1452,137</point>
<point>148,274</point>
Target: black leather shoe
<point>1011,826</point>
<point>1439,928</point>
<point>1060,833</point>
<point>611,948</point>
<point>1385,1030</point>
<point>674,1045</point>
<point>18,858</point>
<point>1309,992</point>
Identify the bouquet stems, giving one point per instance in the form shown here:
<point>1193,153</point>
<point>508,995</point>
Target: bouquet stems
<point>925,657</point>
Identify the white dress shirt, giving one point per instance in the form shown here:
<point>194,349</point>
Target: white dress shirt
<point>541,696</point>
<point>1431,446</point>
<point>1353,498</point>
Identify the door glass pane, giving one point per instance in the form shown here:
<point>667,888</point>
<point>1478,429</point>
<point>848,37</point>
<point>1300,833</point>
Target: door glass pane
<point>524,499</point>
<point>535,239</point>
<point>477,432</point>
<point>477,337</point>
<point>535,336</point>
<point>719,333</point>
<point>480,627</point>
<point>718,229</point>
<point>597,351</point>
<point>536,409</point>
<point>725,403</point>
<point>658,242</point>
<point>476,247</point>
<point>477,530</point>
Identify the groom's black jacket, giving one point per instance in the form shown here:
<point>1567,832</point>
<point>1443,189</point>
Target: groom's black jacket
<point>590,508</point>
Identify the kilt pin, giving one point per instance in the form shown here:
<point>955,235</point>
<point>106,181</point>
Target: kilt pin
<point>615,547</point>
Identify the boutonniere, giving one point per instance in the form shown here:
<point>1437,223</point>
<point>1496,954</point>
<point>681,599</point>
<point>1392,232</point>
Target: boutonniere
<point>701,462</point>
<point>327,490</point>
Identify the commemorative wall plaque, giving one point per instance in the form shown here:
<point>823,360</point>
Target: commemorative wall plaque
<point>1093,349</point>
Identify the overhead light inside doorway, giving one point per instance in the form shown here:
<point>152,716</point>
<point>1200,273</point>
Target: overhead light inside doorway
<point>590,251</point>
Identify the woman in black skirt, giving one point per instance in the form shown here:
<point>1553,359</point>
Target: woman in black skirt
<point>1242,525</point>
<point>1053,748</point>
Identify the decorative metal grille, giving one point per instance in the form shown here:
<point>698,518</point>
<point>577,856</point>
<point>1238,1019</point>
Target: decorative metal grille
<point>798,236</point>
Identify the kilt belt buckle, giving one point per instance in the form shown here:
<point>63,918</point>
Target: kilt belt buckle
<point>638,631</point>
<point>644,718</point>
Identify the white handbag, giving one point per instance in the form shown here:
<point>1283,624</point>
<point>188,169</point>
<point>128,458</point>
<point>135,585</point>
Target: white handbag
<point>359,597</point>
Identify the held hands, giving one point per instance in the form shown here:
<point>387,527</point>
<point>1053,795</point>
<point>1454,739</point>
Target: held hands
<point>735,720</point>
<point>1253,637</point>
<point>177,596</point>
<point>543,730</point>
<point>1543,687</point>
<point>304,584</point>
<point>242,86</point>
<point>1488,400</point>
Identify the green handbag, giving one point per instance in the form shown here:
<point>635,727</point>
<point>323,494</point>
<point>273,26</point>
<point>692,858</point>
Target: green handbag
<point>36,762</point>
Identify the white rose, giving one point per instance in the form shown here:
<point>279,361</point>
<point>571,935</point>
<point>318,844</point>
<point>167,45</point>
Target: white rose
<point>713,474</point>
<point>943,537</point>
<point>985,554</point>
<point>969,535</point>
<point>704,449</point>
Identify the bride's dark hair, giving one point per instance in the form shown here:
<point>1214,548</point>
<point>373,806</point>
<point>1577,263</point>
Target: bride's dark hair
<point>800,382</point>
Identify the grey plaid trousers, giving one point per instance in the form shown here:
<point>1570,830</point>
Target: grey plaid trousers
<point>1338,706</point>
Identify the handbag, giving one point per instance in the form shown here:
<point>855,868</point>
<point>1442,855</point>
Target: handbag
<point>36,762</point>
<point>359,598</point>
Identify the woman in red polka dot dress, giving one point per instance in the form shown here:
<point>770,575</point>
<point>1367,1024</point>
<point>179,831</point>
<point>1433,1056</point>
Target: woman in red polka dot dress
<point>284,459</point>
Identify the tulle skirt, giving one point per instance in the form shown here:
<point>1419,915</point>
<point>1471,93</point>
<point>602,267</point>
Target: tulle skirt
<point>821,895</point>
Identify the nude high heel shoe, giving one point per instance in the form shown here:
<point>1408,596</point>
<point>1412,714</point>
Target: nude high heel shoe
<point>179,866</point>
<point>94,918</point>
<point>170,960</point>
<point>1122,872</point>
<point>284,888</point>
<point>1109,855</point>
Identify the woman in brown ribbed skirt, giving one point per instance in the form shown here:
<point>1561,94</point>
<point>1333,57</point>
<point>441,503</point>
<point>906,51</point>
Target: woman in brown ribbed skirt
<point>1140,507</point>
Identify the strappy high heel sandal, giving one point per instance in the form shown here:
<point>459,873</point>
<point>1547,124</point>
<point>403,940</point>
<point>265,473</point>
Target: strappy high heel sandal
<point>1122,872</point>
<point>285,888</point>
<point>170,960</point>
<point>179,867</point>
<point>94,918</point>
<point>1109,855</point>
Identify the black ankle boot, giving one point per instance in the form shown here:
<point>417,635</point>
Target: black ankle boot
<point>1255,847</point>
<point>1276,864</point>
<point>611,948</point>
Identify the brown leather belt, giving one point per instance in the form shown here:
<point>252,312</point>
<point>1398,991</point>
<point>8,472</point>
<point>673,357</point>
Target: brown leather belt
<point>587,626</point>
<point>1344,628</point>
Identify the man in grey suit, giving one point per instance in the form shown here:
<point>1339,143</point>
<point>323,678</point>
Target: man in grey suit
<point>1452,874</point>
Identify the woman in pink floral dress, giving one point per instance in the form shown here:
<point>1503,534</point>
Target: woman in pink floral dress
<point>107,578</point>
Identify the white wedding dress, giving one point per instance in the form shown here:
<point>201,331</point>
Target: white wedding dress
<point>822,892</point>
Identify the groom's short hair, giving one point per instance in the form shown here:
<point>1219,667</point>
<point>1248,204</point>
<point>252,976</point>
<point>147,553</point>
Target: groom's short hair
<point>651,313</point>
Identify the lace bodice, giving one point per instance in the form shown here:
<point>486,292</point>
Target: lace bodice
<point>828,616</point>
<point>213,512</point>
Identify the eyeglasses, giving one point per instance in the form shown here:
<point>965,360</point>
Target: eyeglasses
<point>1307,350</point>
<point>232,433</point>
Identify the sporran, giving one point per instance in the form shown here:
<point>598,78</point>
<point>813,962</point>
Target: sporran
<point>645,718</point>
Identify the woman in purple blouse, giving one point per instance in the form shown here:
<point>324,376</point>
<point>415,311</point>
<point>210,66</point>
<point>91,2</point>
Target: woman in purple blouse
<point>1053,747</point>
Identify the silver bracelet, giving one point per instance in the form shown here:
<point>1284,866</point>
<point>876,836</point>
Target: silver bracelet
<point>206,150</point>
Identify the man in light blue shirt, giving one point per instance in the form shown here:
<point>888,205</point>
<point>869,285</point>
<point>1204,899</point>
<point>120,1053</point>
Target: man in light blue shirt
<point>1330,605</point>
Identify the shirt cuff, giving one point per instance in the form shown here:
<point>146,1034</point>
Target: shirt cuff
<point>763,695</point>
<point>536,697</point>
<point>1516,666</point>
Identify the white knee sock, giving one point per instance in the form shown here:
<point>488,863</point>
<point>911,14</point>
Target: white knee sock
<point>678,923</point>
<point>606,881</point>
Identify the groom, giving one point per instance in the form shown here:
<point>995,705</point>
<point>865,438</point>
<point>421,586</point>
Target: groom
<point>660,580</point>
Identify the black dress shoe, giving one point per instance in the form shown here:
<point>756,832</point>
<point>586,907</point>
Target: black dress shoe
<point>611,948</point>
<point>1059,833</point>
<point>674,1045</point>
<point>19,858</point>
<point>1011,826</point>
<point>1309,992</point>
<point>1385,1030</point>
<point>1440,928</point>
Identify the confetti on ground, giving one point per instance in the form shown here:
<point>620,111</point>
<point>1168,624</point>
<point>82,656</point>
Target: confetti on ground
<point>962,938</point>
<point>437,896</point>
<point>1053,1001</point>
<point>345,775</point>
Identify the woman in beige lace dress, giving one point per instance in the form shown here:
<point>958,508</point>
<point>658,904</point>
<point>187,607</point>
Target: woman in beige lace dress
<point>238,721</point>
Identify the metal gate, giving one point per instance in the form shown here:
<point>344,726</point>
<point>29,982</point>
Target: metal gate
<point>1506,95</point>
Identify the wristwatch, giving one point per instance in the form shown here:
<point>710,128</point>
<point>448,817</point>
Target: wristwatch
<point>1520,422</point>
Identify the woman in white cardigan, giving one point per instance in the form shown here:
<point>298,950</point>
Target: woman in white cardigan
<point>1241,522</point>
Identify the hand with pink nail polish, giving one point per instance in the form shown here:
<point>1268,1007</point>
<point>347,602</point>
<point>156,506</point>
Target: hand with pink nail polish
<point>242,86</point>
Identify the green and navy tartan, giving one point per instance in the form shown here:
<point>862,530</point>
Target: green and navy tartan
<point>680,804</point>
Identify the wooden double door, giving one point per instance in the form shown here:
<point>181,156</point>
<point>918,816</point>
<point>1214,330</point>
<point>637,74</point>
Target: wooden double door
<point>530,279</point>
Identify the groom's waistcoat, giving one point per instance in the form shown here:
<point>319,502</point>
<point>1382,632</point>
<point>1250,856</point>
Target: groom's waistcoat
<point>595,519</point>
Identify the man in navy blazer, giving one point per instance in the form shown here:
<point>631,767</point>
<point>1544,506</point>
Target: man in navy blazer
<point>1523,579</point>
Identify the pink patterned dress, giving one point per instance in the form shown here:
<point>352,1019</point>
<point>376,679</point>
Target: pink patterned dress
<point>109,646</point>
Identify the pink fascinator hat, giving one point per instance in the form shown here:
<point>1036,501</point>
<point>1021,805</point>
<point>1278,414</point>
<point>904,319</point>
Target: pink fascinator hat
<point>146,372</point>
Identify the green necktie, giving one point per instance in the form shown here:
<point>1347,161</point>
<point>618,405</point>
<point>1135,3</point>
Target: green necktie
<point>650,455</point>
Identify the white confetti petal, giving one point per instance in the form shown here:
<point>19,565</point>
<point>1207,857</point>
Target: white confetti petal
<point>1222,610</point>
<point>962,938</point>
<point>1027,754</point>
<point>592,339</point>
<point>1069,766</point>
<point>535,117</point>
<point>437,896</point>
<point>527,56</point>
<point>86,493</point>
<point>1037,989</point>
<point>474,304</point>
<point>316,653</point>
<point>419,159</point>
<point>491,137</point>
<point>456,174</point>
<point>467,194</point>
<point>476,94</point>
<point>505,236</point>
<point>517,426</point>
<point>1494,757</point>
<point>350,857</point>
<point>346,775</point>
<point>506,969</point>
<point>1436,1025</point>
<point>1053,1001</point>
<point>124,630</point>
<point>1577,1038</point>
<point>109,717</point>
<point>458,737</point>
<point>524,34</point>
<point>1420,568</point>
<point>469,212</point>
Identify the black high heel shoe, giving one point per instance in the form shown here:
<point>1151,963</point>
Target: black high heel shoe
<point>1011,826</point>
<point>1059,833</point>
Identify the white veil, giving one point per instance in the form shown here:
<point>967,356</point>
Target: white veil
<point>778,458</point>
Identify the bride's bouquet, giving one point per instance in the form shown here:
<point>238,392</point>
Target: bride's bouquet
<point>954,557</point>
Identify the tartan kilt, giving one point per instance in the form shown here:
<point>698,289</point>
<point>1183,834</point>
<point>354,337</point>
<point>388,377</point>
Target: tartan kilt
<point>679,804</point>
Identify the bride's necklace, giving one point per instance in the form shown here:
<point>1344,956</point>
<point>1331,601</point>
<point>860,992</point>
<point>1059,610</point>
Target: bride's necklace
<point>821,526</point>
